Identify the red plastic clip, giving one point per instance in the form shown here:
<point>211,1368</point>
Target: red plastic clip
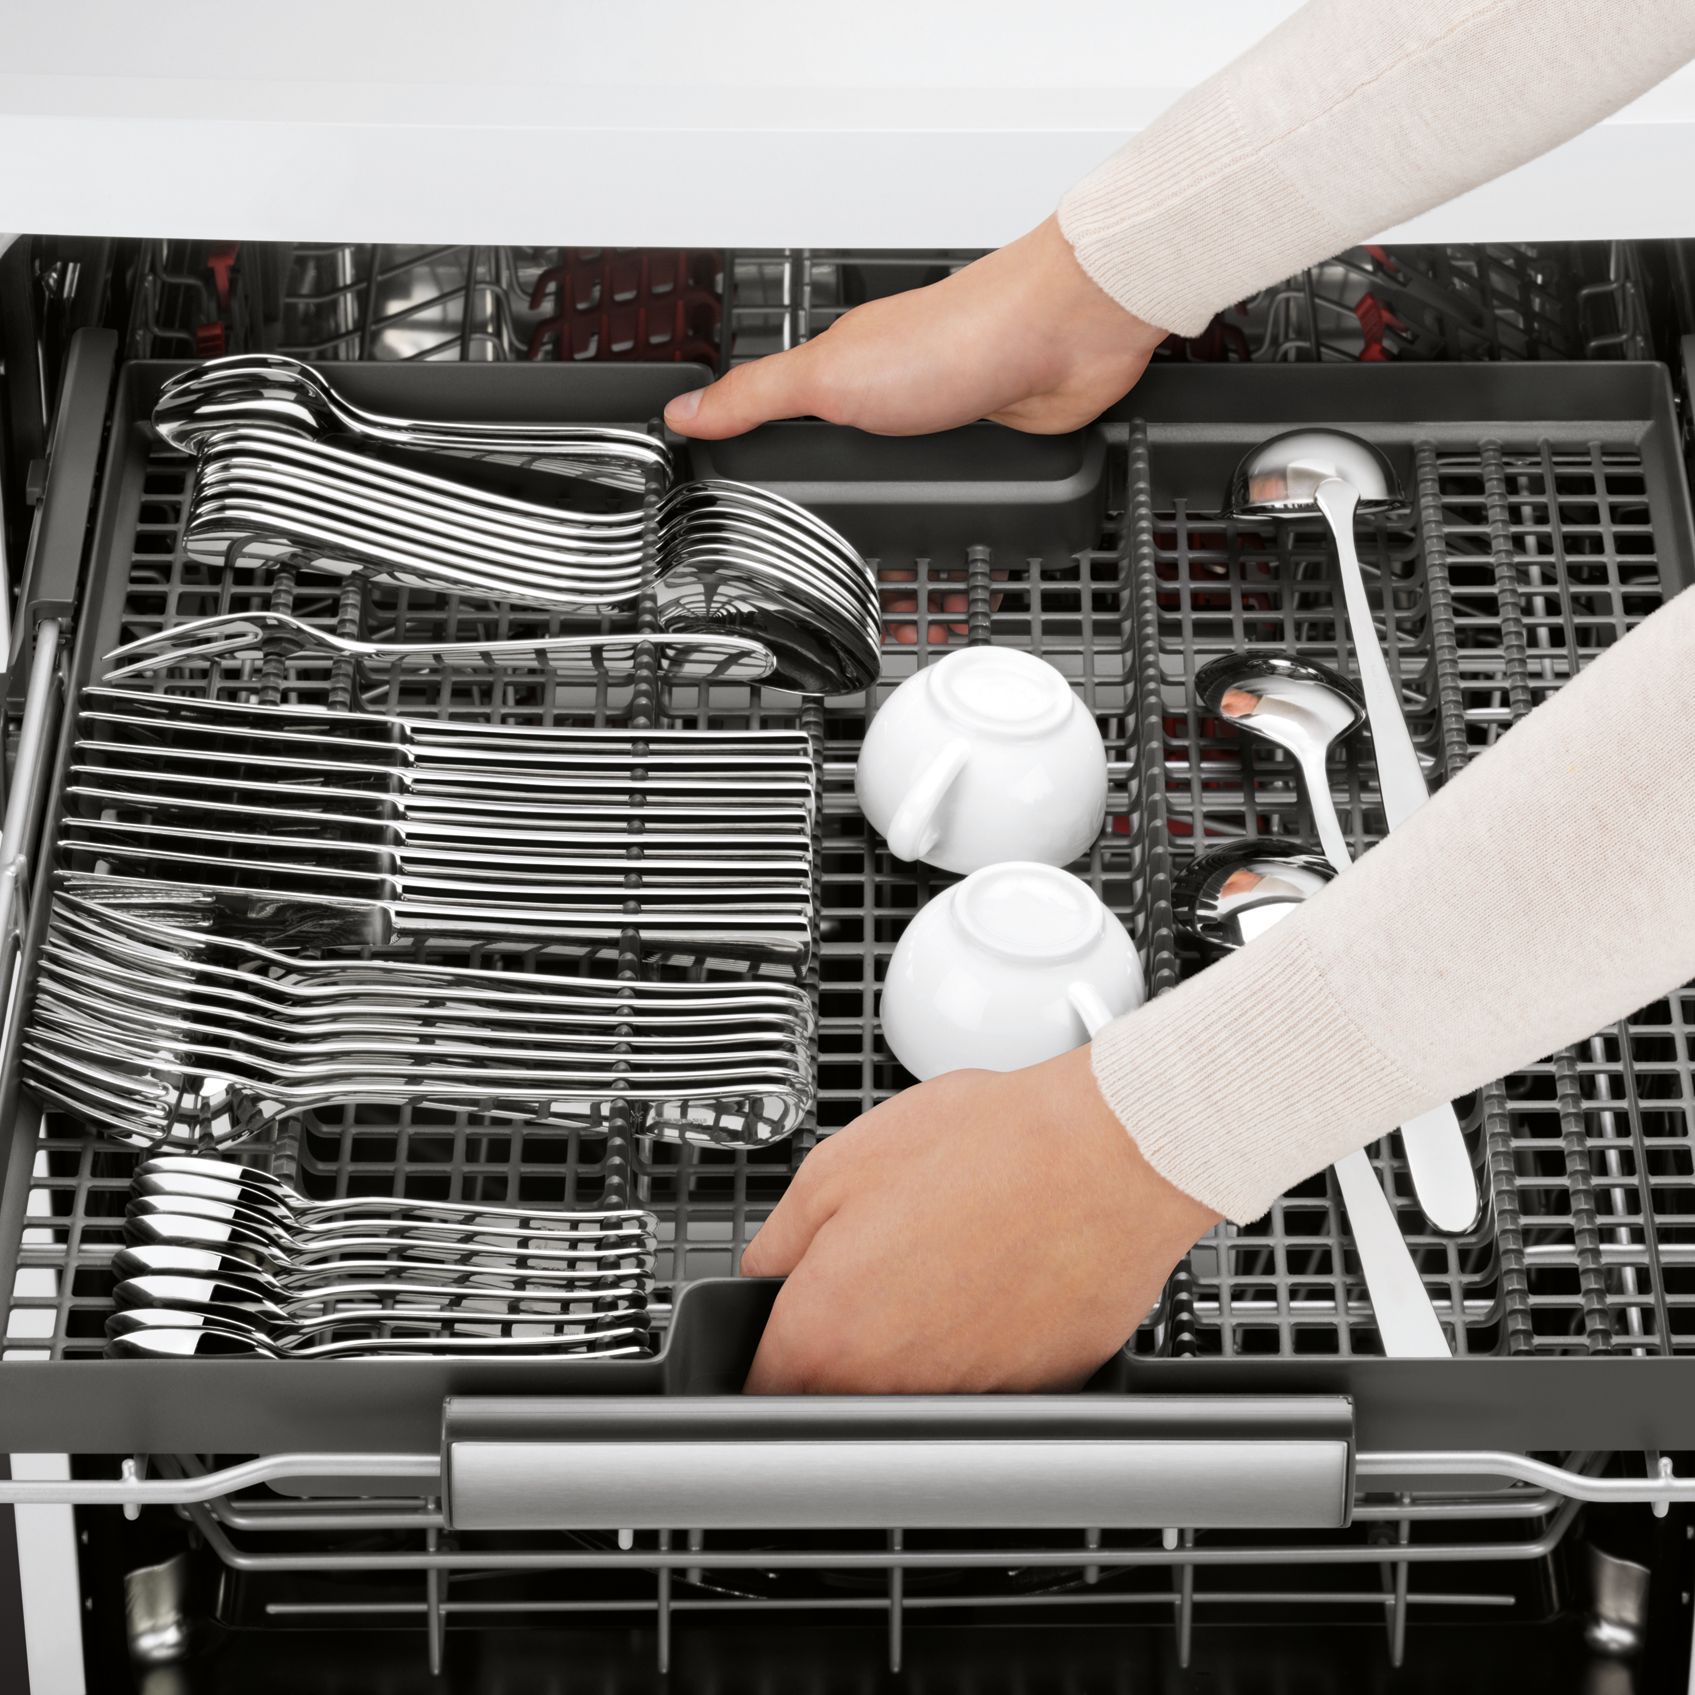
<point>209,341</point>
<point>1375,321</point>
<point>220,261</point>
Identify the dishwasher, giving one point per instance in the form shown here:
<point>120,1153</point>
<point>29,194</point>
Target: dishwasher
<point>1279,1505</point>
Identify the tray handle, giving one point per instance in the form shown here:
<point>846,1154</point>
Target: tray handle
<point>946,1462</point>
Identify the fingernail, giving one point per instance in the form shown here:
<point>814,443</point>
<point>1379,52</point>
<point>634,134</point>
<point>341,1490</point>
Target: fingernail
<point>682,410</point>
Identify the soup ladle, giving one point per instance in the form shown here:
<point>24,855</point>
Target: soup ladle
<point>1227,898</point>
<point>1307,708</point>
<point>1303,708</point>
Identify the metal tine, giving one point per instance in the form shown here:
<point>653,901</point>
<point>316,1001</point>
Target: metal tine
<point>416,1062</point>
<point>290,1011</point>
<point>171,1021</point>
<point>153,941</point>
<point>680,657</point>
<point>326,922</point>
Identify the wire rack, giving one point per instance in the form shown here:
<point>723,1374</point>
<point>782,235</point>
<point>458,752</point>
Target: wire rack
<point>339,301</point>
<point>330,1562</point>
<point>1522,559</point>
<point>1523,564</point>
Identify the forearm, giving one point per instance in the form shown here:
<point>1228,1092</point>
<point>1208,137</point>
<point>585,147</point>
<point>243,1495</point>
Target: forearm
<point>1339,124</point>
<point>1542,894</point>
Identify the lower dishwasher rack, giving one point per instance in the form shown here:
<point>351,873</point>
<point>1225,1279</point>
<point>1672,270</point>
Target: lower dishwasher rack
<point>1548,514</point>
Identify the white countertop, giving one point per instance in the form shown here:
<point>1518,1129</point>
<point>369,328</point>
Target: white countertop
<point>933,123</point>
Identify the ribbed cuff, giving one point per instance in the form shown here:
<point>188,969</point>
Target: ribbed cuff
<point>1190,216</point>
<point>1248,1078</point>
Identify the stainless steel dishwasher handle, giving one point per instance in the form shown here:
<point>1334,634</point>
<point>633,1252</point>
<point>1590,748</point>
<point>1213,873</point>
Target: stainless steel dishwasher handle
<point>947,1462</point>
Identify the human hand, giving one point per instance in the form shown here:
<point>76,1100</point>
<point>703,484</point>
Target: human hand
<point>1021,336</point>
<point>985,1230</point>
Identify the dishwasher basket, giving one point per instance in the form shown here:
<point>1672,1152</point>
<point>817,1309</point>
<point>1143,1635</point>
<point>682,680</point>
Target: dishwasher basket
<point>1251,1410</point>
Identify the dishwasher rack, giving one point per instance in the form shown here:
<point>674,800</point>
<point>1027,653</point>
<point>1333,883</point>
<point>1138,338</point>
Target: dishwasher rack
<point>1549,514</point>
<point>1481,301</point>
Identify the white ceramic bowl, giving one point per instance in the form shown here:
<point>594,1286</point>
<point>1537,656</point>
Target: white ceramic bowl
<point>1017,964</point>
<point>982,757</point>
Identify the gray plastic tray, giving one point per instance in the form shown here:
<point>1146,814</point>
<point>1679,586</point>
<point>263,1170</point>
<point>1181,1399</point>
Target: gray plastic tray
<point>1103,552</point>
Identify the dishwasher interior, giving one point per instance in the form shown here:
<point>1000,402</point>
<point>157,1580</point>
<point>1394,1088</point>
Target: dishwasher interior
<point>1536,415</point>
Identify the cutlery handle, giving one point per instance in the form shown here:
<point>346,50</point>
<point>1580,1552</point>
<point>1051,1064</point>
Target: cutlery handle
<point>1316,776</point>
<point>1399,774</point>
<point>1406,1320</point>
<point>1440,1165</point>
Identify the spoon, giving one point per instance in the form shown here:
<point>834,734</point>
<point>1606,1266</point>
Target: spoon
<point>1227,898</point>
<point>260,1187</point>
<point>153,1299</point>
<point>1336,476</point>
<point>261,1246</point>
<point>240,1282</point>
<point>191,1341</point>
<point>1307,708</point>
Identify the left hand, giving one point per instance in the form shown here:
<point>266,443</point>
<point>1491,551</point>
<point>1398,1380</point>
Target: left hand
<point>982,1231</point>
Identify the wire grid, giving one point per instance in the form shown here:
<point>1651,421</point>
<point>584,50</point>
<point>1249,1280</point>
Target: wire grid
<point>1526,561</point>
<point>709,1202</point>
<point>355,1561</point>
<point>499,303</point>
<point>349,301</point>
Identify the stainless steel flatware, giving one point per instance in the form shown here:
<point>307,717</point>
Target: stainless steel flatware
<point>1306,709</point>
<point>1228,897</point>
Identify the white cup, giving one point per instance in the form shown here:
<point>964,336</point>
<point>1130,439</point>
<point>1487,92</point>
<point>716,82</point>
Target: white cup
<point>984,756</point>
<point>1017,964</point>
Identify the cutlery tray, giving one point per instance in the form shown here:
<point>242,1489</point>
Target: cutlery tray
<point>1548,514</point>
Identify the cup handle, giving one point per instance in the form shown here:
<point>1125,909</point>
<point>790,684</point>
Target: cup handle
<point>913,830</point>
<point>1089,1006</point>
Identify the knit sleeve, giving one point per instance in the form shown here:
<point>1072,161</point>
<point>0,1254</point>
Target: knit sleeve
<point>1545,892</point>
<point>1346,120</point>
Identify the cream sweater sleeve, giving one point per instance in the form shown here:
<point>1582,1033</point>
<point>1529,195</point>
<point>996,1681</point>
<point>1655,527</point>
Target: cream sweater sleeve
<point>1345,120</point>
<point>1545,892</point>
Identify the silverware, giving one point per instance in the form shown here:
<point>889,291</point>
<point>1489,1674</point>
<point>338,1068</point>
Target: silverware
<point>1303,708</point>
<point>1226,898</point>
<point>153,1022</point>
<point>272,387</point>
<point>727,560</point>
<point>1306,709</point>
<point>677,658</point>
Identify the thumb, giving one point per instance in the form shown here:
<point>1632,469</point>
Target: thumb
<point>750,394</point>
